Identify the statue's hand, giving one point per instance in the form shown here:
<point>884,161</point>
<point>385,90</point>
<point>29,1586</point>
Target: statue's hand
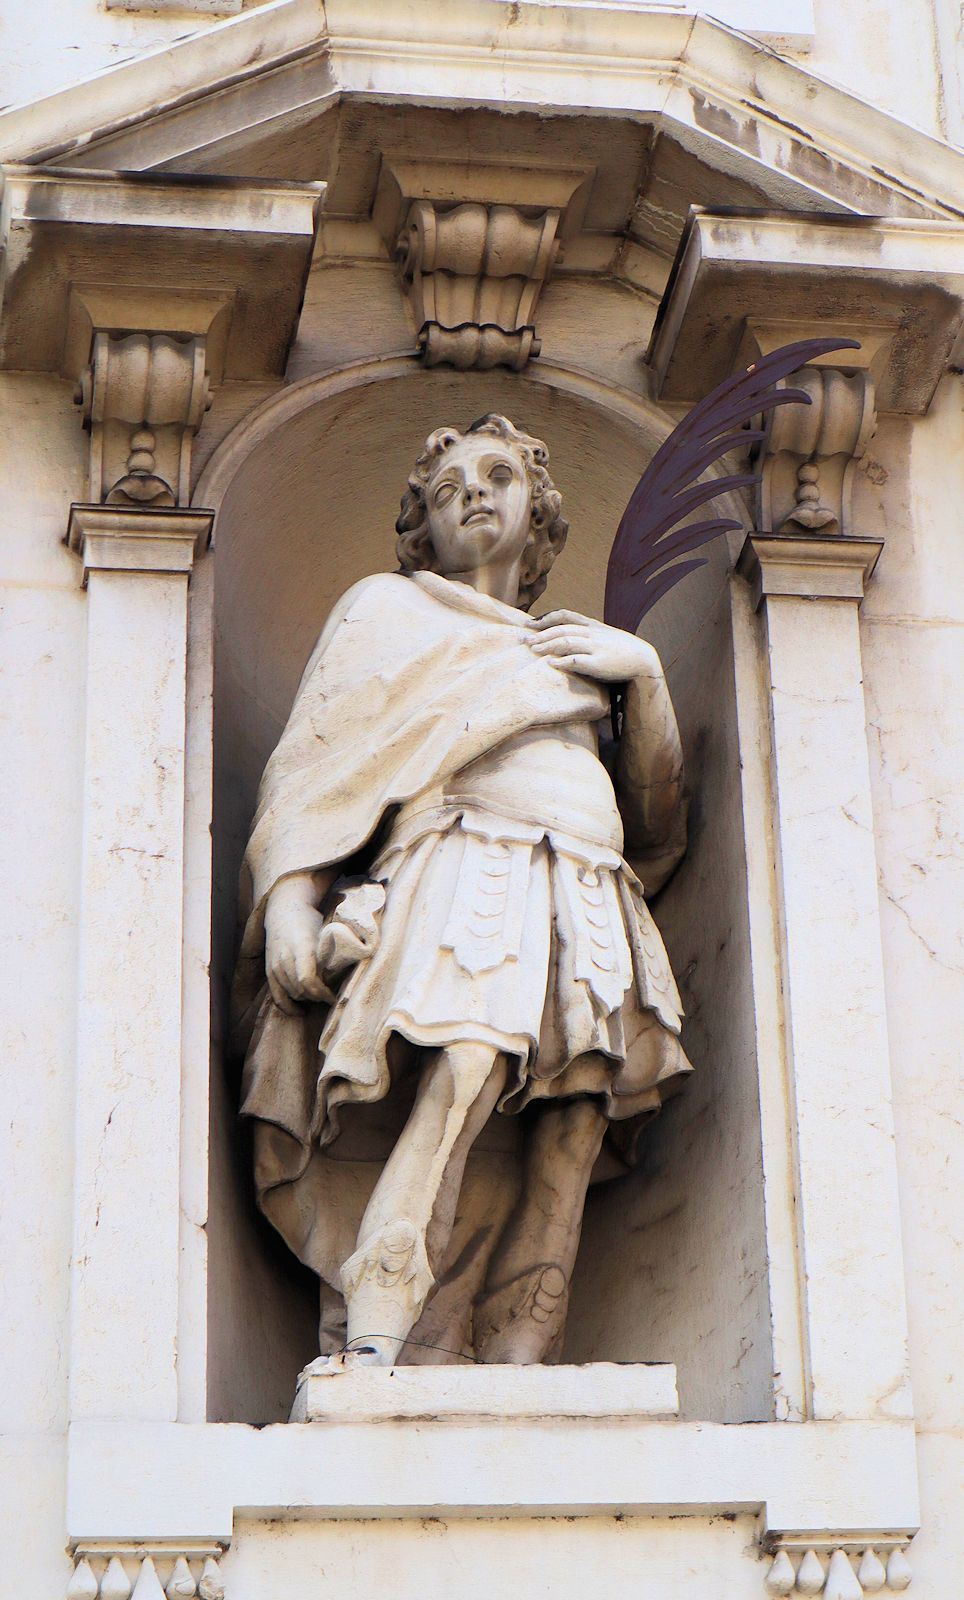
<point>582,645</point>
<point>293,927</point>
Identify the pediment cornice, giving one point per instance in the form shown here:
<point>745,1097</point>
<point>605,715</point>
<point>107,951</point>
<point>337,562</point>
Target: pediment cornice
<point>288,87</point>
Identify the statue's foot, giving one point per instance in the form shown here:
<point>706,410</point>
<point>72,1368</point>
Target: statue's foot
<point>342,1361</point>
<point>521,1321</point>
<point>386,1283</point>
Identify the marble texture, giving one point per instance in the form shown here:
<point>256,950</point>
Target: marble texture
<point>495,927</point>
<point>509,1393</point>
<point>595,328</point>
<point>128,1117</point>
<point>836,1010</point>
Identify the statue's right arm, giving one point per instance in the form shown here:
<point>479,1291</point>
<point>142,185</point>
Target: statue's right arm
<point>292,928</point>
<point>293,923</point>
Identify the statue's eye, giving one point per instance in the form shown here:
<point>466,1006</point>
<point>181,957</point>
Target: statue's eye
<point>501,473</point>
<point>444,493</point>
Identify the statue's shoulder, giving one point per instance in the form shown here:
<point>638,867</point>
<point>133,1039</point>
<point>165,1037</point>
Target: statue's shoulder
<point>380,589</point>
<point>372,599</point>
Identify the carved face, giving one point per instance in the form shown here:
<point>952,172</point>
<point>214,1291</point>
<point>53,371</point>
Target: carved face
<point>478,506</point>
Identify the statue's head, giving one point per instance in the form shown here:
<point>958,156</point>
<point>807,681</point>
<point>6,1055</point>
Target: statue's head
<point>480,497</point>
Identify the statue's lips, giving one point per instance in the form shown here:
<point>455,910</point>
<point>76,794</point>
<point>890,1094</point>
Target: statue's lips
<point>476,516</point>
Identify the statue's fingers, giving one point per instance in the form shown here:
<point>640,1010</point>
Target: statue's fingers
<point>288,976</point>
<point>280,996</point>
<point>316,988</point>
<point>564,640</point>
<point>577,629</point>
<point>580,661</point>
<point>306,971</point>
<point>554,618</point>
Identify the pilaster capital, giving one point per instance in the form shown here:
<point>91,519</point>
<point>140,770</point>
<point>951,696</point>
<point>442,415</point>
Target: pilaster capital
<point>219,259</point>
<point>143,397</point>
<point>146,291</point>
<point>809,455</point>
<point>814,566</point>
<point>137,539</point>
<point>474,248</point>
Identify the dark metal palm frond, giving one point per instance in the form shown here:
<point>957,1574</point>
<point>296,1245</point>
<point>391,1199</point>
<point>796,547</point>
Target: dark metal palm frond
<point>643,562</point>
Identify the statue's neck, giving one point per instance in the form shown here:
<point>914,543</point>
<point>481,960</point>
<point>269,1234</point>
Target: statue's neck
<point>498,583</point>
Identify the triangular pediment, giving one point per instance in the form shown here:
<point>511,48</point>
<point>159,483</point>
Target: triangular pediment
<point>662,112</point>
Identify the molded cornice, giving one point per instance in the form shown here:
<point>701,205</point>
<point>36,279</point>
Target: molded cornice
<point>723,96</point>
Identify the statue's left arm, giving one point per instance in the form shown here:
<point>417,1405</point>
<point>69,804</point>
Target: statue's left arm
<point>649,779</point>
<point>649,764</point>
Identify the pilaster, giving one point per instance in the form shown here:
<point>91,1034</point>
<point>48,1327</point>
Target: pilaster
<point>145,292</point>
<point>124,1284</point>
<point>741,286</point>
<point>855,1337</point>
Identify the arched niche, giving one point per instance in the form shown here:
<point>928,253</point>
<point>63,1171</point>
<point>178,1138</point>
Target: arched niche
<point>673,1263</point>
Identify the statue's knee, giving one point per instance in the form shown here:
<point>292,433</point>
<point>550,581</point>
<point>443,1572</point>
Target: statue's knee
<point>576,1130</point>
<point>466,1070</point>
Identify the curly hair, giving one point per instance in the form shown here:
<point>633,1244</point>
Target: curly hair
<point>548,528</point>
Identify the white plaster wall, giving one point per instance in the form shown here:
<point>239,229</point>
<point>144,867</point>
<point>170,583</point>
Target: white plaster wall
<point>42,645</point>
<point>49,45</point>
<point>535,1560</point>
<point>913,645</point>
<point>887,52</point>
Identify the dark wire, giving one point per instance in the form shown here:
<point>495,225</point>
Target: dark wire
<point>360,1338</point>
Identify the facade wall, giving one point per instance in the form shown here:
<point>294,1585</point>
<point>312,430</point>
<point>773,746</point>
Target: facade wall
<point>903,57</point>
<point>913,643</point>
<point>43,641</point>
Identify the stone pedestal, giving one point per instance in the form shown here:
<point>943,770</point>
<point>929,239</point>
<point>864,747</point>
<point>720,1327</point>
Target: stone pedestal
<point>605,1389</point>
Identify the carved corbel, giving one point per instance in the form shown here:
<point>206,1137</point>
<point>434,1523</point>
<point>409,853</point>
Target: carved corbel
<point>473,274</point>
<point>143,397</point>
<point>810,453</point>
<point>475,244</point>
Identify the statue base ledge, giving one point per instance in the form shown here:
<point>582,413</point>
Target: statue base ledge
<point>613,1390</point>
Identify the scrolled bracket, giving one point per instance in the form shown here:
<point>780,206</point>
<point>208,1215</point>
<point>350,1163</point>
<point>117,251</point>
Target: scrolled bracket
<point>473,274</point>
<point>811,452</point>
<point>143,396</point>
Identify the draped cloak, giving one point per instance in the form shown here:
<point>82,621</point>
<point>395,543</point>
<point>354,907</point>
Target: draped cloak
<point>413,679</point>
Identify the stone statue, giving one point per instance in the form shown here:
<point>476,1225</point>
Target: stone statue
<point>446,952</point>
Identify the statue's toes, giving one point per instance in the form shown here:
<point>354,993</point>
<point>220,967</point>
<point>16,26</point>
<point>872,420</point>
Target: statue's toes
<point>548,1292</point>
<point>521,1320</point>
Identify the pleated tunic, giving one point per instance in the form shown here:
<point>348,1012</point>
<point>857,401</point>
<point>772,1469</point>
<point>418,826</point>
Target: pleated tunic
<point>512,920</point>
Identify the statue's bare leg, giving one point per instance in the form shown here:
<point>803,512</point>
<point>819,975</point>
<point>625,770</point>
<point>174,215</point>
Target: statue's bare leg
<point>522,1310</point>
<point>406,1226</point>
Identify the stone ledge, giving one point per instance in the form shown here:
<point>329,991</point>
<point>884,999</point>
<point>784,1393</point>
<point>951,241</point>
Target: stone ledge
<point>604,1390</point>
<point>163,1482</point>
